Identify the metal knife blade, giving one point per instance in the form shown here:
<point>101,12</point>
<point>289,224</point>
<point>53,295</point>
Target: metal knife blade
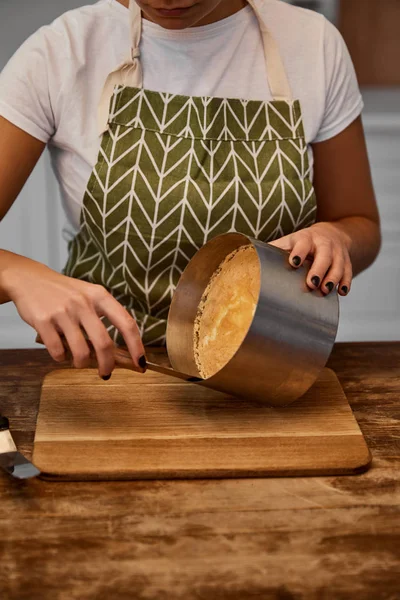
<point>172,373</point>
<point>12,461</point>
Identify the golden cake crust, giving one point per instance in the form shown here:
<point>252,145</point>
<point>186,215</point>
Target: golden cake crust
<point>226,310</point>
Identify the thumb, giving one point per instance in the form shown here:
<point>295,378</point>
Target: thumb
<point>285,243</point>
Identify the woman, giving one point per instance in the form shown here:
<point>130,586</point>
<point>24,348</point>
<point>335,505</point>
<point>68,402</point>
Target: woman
<point>215,116</point>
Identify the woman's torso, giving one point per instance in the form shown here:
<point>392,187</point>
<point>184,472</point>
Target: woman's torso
<point>65,65</point>
<point>225,59</point>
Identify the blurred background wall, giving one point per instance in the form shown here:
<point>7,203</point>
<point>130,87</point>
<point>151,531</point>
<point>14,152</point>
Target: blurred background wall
<point>370,28</point>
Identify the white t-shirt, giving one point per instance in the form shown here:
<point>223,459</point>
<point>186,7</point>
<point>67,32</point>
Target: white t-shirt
<point>51,87</point>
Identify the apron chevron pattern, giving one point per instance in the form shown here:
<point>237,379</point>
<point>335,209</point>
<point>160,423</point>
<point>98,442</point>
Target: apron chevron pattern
<point>172,173</point>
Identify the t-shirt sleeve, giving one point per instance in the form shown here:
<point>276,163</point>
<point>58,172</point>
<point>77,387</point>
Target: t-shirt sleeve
<point>343,100</point>
<point>27,89</point>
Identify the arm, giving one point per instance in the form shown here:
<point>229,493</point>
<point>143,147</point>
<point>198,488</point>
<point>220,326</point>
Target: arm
<point>20,164</point>
<point>48,301</point>
<point>346,237</point>
<point>345,193</point>
<point>19,154</point>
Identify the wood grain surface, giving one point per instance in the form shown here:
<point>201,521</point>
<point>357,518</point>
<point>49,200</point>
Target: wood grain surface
<point>371,31</point>
<point>156,427</point>
<point>308,538</point>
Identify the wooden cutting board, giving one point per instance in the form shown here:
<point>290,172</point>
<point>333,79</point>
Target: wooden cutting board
<point>152,426</point>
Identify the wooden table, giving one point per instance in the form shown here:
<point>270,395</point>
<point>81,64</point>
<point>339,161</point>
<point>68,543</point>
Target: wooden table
<point>305,538</point>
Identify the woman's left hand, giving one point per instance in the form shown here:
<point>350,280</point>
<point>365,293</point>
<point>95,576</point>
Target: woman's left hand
<point>327,246</point>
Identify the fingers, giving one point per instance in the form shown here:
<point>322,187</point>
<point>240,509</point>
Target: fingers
<point>108,306</point>
<point>77,344</point>
<point>284,243</point>
<point>52,341</point>
<point>320,266</point>
<point>102,343</point>
<point>334,274</point>
<point>301,249</point>
<point>345,282</point>
<point>73,327</point>
<point>330,268</point>
<point>339,271</point>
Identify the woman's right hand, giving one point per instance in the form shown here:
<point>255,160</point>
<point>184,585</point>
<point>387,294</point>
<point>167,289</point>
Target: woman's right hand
<point>56,305</point>
<point>51,303</point>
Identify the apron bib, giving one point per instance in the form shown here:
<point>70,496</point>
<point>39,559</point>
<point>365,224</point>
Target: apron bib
<point>175,171</point>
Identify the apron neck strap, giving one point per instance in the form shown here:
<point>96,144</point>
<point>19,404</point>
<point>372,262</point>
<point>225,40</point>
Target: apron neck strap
<point>130,73</point>
<point>276,73</point>
<point>136,27</point>
<point>277,79</point>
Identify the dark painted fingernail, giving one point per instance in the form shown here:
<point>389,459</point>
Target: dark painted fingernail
<point>142,362</point>
<point>345,289</point>
<point>296,260</point>
<point>315,281</point>
<point>106,377</point>
<point>329,286</point>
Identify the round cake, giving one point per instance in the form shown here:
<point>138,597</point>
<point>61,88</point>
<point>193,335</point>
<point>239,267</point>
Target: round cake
<point>226,310</point>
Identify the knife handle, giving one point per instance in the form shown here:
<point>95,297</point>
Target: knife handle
<point>4,424</point>
<point>122,357</point>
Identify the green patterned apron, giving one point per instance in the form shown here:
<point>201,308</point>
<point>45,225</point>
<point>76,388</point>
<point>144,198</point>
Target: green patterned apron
<point>175,171</point>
